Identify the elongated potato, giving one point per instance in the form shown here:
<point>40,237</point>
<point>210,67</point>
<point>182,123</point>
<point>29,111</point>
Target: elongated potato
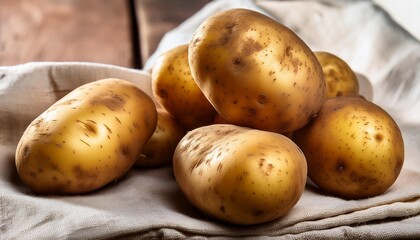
<point>87,139</point>
<point>354,148</point>
<point>240,175</point>
<point>256,72</point>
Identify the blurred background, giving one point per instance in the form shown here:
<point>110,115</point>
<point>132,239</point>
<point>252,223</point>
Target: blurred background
<point>123,33</point>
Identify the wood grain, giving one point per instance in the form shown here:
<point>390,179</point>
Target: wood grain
<point>156,17</point>
<point>65,30</point>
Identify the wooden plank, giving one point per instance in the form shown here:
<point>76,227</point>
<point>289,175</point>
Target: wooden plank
<point>156,17</point>
<point>65,30</point>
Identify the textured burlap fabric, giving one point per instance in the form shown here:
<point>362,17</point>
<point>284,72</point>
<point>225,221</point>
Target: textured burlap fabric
<point>147,203</point>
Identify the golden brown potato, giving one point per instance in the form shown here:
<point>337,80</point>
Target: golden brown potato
<point>175,89</point>
<point>240,175</point>
<point>159,149</point>
<point>340,78</point>
<point>256,72</point>
<point>90,137</point>
<point>354,148</point>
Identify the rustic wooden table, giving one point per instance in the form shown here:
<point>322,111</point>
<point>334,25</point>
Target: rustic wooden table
<point>123,33</point>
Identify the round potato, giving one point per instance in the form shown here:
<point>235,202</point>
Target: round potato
<point>354,148</point>
<point>159,149</point>
<point>175,89</point>
<point>90,137</point>
<point>256,72</point>
<point>240,175</point>
<point>339,77</point>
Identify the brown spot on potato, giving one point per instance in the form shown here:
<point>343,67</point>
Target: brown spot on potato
<point>90,126</point>
<point>250,112</point>
<point>340,165</point>
<point>196,41</point>
<point>118,120</point>
<point>251,46</point>
<point>237,60</point>
<point>258,213</point>
<point>295,62</point>
<point>107,128</point>
<point>222,208</point>
<point>32,174</point>
<point>262,99</point>
<point>196,164</point>
<point>110,100</point>
<point>125,150</point>
<point>170,69</point>
<point>26,152</point>
<point>364,182</point>
<point>226,36</point>
<point>241,177</point>
<point>219,167</point>
<point>163,93</point>
<point>261,162</point>
<point>87,144</point>
<point>289,51</point>
<point>205,149</point>
<point>224,39</point>
<point>379,137</point>
<point>81,173</point>
<point>231,25</point>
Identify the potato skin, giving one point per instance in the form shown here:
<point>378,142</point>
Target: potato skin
<point>160,147</point>
<point>240,175</point>
<point>87,139</point>
<point>256,72</point>
<point>354,148</point>
<point>339,77</point>
<point>177,92</point>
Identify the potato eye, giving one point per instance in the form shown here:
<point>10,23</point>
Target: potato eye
<point>262,99</point>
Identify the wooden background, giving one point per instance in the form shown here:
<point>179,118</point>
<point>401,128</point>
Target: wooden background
<point>119,32</point>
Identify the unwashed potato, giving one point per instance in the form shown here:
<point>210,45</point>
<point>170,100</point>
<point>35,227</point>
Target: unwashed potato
<point>240,175</point>
<point>175,89</point>
<point>256,72</point>
<point>159,149</point>
<point>90,137</point>
<point>339,77</point>
<point>354,148</point>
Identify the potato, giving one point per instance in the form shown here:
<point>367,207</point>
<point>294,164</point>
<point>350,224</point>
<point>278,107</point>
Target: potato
<point>90,137</point>
<point>339,77</point>
<point>159,149</point>
<point>256,72</point>
<point>175,89</point>
<point>240,175</point>
<point>354,148</point>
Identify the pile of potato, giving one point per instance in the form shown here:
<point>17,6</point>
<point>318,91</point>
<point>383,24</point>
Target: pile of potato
<point>247,112</point>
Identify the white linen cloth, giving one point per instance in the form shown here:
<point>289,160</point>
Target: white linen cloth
<point>147,203</point>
